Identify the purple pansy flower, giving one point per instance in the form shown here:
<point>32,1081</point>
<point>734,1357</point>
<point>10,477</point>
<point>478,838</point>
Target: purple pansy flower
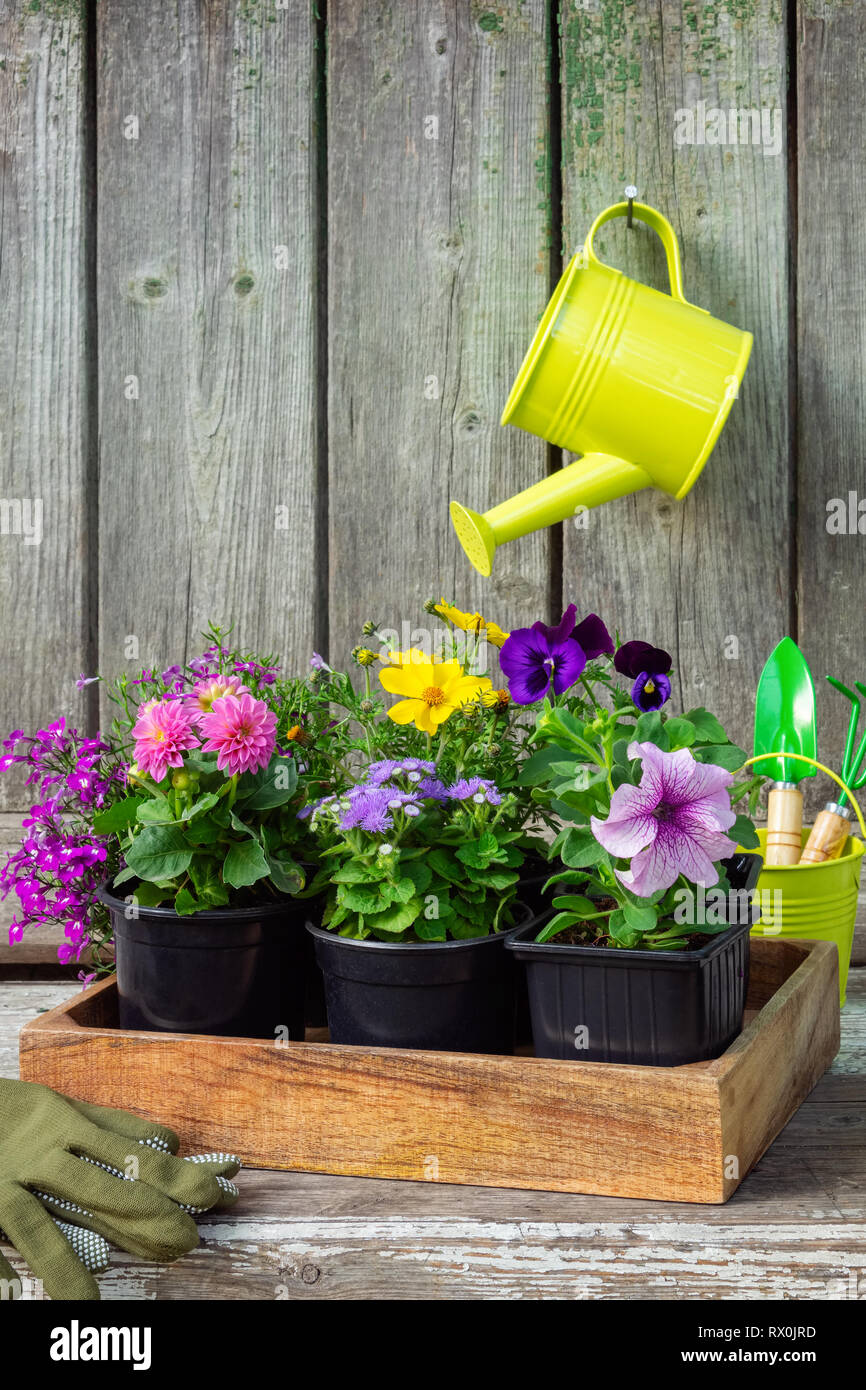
<point>651,690</point>
<point>534,658</point>
<point>672,824</point>
<point>593,637</point>
<point>648,667</point>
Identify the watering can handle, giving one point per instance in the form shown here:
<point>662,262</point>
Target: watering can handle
<point>666,233</point>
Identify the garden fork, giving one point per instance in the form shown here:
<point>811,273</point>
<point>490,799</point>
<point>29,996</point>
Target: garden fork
<point>830,832</point>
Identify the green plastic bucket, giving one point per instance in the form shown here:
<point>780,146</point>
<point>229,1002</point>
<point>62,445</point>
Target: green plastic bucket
<point>818,901</point>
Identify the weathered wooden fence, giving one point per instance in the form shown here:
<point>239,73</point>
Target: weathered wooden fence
<point>268,268</point>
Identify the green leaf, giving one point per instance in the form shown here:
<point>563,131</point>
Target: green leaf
<point>185,904</point>
<point>621,931</point>
<point>159,852</point>
<point>707,727</point>
<point>574,902</point>
<point>242,828</point>
<point>118,817</point>
<point>442,863</point>
<point>431,930</point>
<point>198,807</point>
<point>397,918</point>
<point>123,876</point>
<point>743,831</point>
<point>420,874</point>
<point>156,811</point>
<point>726,755</point>
<point>620,753</point>
<point>362,897</point>
<point>200,762</point>
<point>401,891</point>
<point>149,895</point>
<point>536,769</point>
<point>640,918</point>
<point>496,879</point>
<point>354,872</point>
<point>557,924</point>
<point>245,864</point>
<point>580,848</point>
<point>681,732</point>
<point>209,887</point>
<point>272,786</point>
<point>469,854</point>
<point>650,729</point>
<point>285,874</point>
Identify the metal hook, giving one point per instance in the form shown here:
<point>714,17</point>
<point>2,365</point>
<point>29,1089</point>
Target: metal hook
<point>631,194</point>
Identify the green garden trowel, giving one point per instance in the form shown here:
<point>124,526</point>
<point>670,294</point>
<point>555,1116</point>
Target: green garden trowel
<point>785,723</point>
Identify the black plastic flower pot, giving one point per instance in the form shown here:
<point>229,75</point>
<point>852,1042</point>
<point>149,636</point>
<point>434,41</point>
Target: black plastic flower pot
<point>229,971</point>
<point>446,996</point>
<point>642,1007</point>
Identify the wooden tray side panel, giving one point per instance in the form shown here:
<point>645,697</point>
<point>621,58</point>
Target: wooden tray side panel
<point>775,1063</point>
<point>499,1122</point>
<point>644,1132</point>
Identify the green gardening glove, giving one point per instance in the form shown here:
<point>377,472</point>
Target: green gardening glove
<point>103,1171</point>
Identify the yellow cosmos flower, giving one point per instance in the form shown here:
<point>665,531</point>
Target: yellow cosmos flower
<point>431,690</point>
<point>495,635</point>
<point>467,622</point>
<point>471,622</point>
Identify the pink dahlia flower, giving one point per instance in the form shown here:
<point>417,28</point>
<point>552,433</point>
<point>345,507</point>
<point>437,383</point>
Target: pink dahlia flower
<point>162,733</point>
<point>204,692</point>
<point>241,731</point>
<point>672,824</point>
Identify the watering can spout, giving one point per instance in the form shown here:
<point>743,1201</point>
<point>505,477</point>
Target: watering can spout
<point>594,479</point>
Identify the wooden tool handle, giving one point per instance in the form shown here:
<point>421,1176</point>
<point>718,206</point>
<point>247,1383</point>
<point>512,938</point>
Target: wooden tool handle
<point>827,837</point>
<point>784,825</point>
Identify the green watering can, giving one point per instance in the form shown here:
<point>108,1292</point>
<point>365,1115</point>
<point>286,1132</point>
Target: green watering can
<point>638,382</point>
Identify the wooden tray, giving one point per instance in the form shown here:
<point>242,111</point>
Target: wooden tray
<point>688,1134</point>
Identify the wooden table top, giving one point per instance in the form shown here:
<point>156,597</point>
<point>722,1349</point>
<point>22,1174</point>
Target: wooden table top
<point>796,1228</point>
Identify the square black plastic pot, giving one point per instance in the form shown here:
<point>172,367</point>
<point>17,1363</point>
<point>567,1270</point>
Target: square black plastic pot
<point>640,1007</point>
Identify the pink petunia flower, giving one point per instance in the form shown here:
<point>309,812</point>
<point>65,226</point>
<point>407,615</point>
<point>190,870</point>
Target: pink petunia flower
<point>241,731</point>
<point>672,824</point>
<point>162,733</point>
<point>204,692</point>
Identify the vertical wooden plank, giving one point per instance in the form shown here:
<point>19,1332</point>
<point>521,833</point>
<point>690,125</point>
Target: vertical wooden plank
<point>207,342</point>
<point>43,373</point>
<point>691,576</point>
<point>439,230</point>
<point>831,316</point>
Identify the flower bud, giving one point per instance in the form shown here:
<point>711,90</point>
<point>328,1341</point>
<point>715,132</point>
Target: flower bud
<point>180,780</point>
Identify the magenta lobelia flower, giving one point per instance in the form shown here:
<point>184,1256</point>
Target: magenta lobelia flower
<point>163,732</point>
<point>204,692</point>
<point>241,731</point>
<point>672,824</point>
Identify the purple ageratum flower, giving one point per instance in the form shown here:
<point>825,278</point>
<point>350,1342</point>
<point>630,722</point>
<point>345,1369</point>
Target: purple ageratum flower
<point>387,768</point>
<point>534,658</point>
<point>478,789</point>
<point>370,809</point>
<point>593,637</point>
<point>432,789</point>
<point>648,667</point>
<point>672,824</point>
